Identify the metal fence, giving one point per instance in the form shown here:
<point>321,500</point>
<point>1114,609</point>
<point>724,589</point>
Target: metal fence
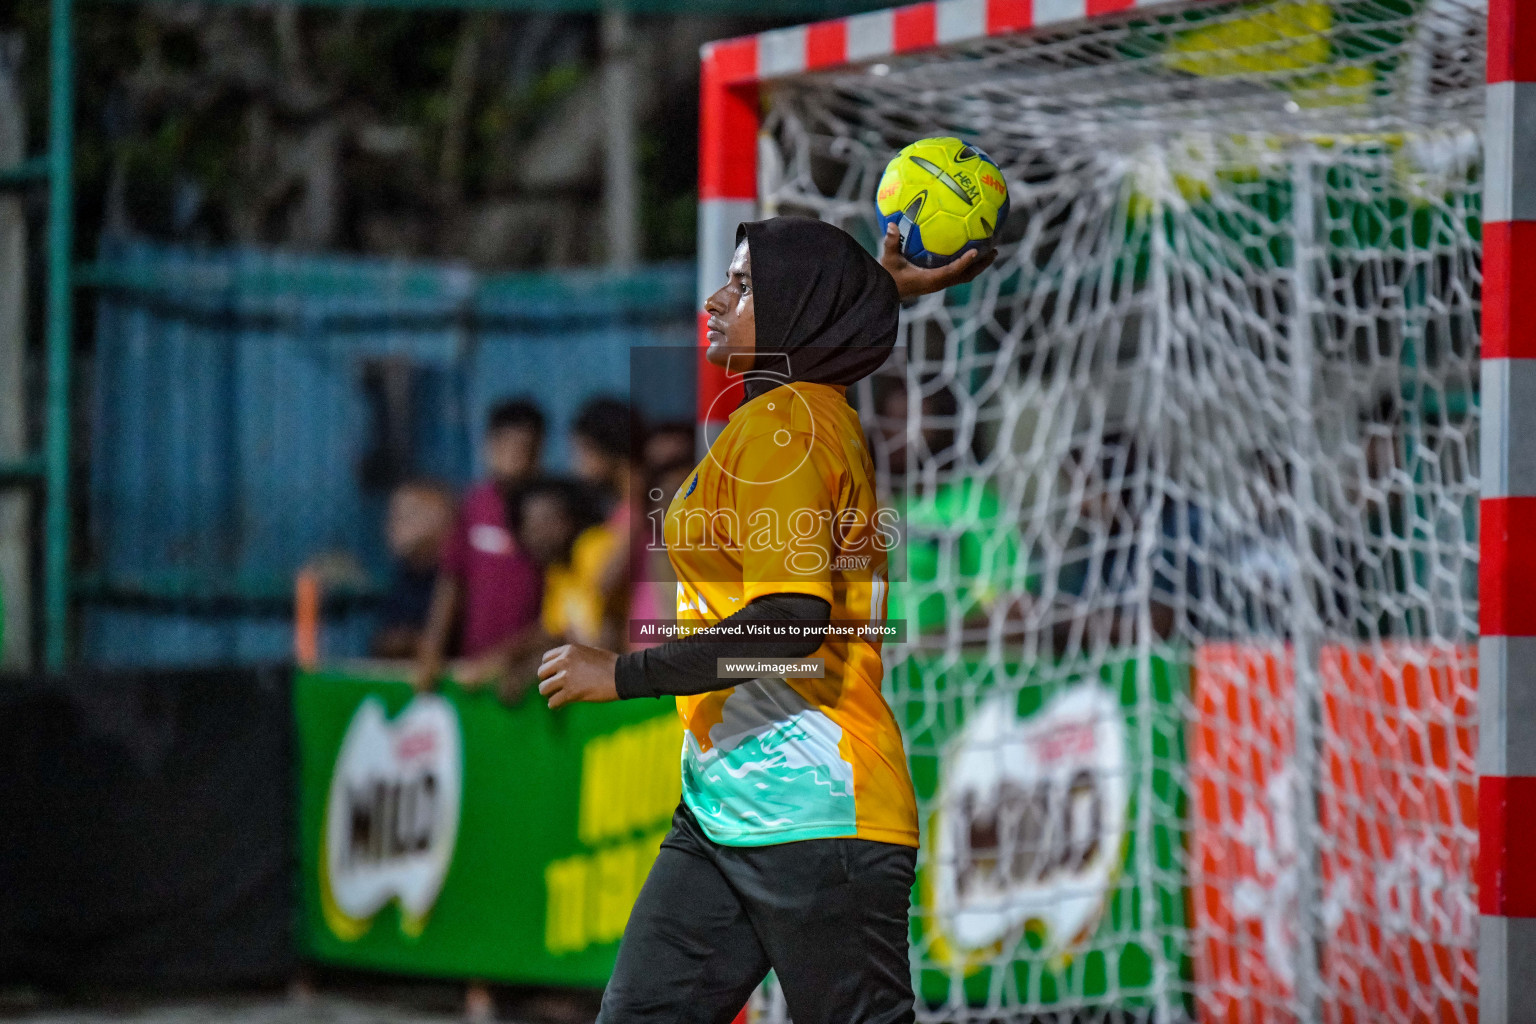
<point>251,410</point>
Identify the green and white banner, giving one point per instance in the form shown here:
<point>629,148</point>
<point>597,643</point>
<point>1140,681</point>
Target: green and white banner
<point>1052,823</point>
<point>448,835</point>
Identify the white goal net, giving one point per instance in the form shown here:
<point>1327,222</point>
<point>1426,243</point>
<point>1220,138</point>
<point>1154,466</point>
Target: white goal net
<point>1190,485</point>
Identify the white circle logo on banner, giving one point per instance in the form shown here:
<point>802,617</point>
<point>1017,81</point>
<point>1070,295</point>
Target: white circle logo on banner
<point>392,815</point>
<point>1031,823</point>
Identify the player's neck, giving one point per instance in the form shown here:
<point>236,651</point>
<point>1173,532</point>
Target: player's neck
<point>841,390</point>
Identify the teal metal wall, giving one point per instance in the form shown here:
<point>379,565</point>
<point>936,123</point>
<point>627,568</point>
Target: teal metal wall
<point>250,409</point>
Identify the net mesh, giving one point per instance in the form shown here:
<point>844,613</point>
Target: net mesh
<point>1190,486</point>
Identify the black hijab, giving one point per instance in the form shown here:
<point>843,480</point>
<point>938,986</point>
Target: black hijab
<point>821,300</point>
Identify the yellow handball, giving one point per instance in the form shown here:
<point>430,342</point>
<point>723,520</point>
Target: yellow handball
<point>946,196</point>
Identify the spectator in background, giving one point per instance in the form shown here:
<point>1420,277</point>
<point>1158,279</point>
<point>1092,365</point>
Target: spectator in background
<point>491,587</point>
<point>653,588</point>
<point>669,443</point>
<point>417,528</point>
<point>605,440</point>
<point>937,415</point>
<point>487,584</point>
<point>555,521</point>
<point>1261,568</point>
<point>1117,487</point>
<point>600,449</point>
<point>558,526</point>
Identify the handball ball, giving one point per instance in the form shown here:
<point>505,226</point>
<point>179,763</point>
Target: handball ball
<point>946,197</point>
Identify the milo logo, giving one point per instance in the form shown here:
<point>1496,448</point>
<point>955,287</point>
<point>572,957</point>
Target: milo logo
<point>392,815</point>
<point>1031,823</point>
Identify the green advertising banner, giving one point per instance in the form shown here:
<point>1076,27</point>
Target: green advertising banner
<point>449,835</point>
<point>1053,816</point>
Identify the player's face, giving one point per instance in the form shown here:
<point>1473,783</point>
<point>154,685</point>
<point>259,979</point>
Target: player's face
<point>732,321</point>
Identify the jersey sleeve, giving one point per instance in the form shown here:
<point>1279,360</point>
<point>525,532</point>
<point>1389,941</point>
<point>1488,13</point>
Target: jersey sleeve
<point>787,491</point>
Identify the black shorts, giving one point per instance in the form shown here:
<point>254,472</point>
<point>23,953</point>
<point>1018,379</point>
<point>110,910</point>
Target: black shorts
<point>829,916</point>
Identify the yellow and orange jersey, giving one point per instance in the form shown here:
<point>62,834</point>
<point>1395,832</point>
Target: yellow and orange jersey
<point>784,502</point>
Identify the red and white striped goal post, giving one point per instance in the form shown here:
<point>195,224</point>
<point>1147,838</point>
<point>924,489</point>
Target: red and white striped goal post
<point>1506,756</point>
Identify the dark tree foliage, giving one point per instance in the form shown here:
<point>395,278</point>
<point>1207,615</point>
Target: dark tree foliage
<point>446,135</point>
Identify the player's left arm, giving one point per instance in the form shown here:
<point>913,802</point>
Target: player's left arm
<point>683,667</point>
<point>912,280</point>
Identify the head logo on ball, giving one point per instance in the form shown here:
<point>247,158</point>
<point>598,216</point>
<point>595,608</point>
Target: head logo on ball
<point>945,197</point>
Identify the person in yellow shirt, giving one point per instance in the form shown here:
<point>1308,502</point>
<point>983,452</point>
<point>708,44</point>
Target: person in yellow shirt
<point>794,847</point>
<point>575,601</point>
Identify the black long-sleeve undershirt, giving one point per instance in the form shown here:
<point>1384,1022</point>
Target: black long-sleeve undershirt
<point>688,666</point>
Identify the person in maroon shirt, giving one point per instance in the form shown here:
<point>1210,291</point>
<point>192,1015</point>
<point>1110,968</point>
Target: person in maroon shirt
<point>600,456</point>
<point>486,584</point>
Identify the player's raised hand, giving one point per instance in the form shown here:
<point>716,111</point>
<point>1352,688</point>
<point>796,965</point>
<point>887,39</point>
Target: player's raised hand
<point>912,280</point>
<point>574,672</point>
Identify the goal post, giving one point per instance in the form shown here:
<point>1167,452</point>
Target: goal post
<point>1217,518</point>
<point>1507,653</point>
<point>731,75</point>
